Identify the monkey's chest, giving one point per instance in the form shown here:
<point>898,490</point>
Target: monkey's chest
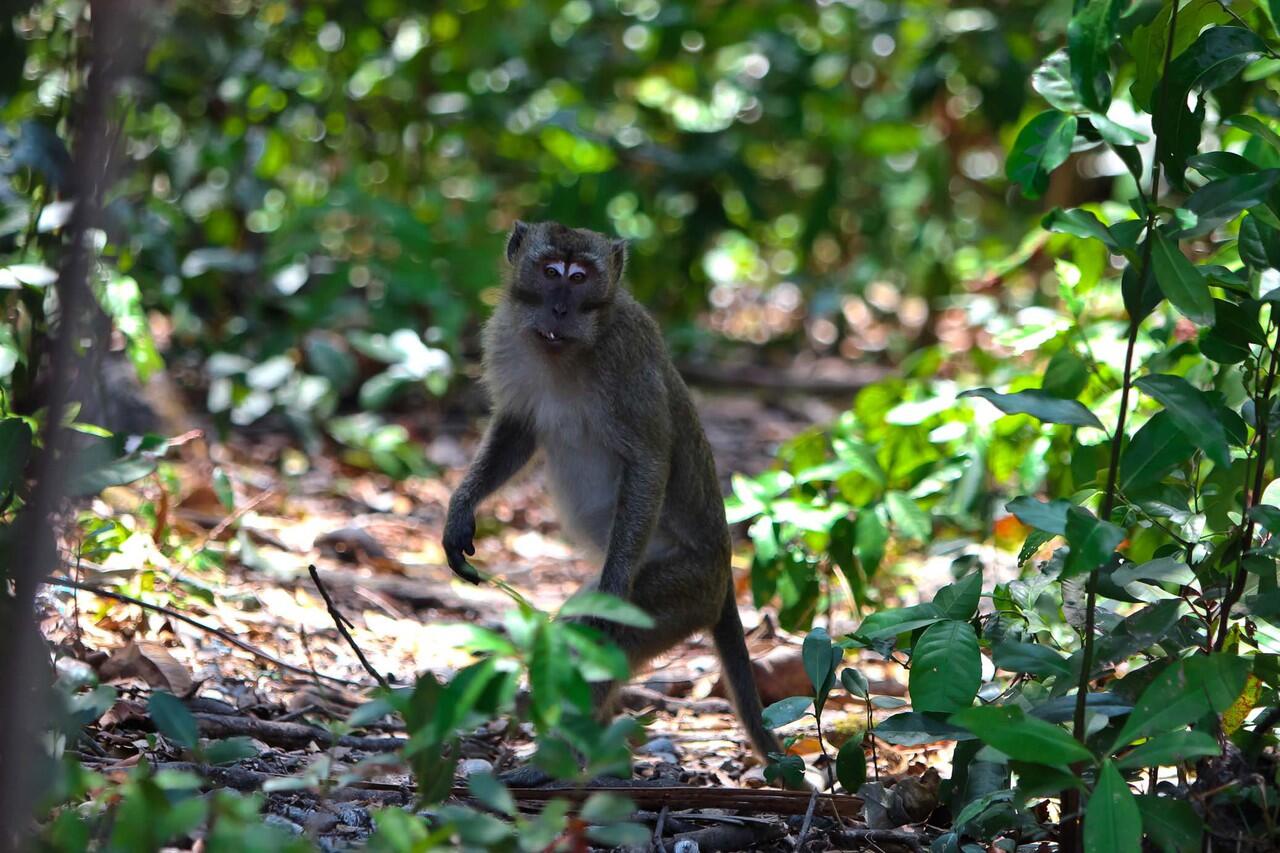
<point>583,475</point>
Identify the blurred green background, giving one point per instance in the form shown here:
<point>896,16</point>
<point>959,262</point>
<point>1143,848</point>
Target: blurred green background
<point>316,193</point>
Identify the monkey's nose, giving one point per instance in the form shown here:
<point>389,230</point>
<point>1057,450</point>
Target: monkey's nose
<point>560,310</point>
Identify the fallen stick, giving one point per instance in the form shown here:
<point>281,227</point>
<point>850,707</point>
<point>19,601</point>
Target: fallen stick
<point>677,797</point>
<point>343,623</point>
<point>859,838</point>
<point>730,837</point>
<point>289,735</point>
<point>68,583</point>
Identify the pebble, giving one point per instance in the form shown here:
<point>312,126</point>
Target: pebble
<point>471,766</point>
<point>660,746</point>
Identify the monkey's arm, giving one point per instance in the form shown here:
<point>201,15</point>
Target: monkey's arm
<point>640,495</point>
<point>507,446</point>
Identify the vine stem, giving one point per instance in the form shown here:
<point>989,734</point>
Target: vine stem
<point>1262,423</point>
<point>1071,836</point>
<point>1108,504</point>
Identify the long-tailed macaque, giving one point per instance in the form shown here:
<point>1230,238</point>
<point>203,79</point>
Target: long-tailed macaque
<point>578,369</point>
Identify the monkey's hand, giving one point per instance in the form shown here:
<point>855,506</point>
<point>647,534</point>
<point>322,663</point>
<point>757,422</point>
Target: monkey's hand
<point>459,543</point>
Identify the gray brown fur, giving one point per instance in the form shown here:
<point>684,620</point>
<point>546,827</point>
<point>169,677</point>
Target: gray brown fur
<point>580,371</point>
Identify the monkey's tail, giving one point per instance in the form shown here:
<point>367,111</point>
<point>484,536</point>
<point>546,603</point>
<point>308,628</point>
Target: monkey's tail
<point>735,663</point>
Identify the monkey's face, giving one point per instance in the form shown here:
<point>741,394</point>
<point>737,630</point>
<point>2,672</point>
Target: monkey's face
<point>563,280</point>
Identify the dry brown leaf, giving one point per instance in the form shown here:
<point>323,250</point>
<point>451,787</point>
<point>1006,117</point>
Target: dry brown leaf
<point>152,663</point>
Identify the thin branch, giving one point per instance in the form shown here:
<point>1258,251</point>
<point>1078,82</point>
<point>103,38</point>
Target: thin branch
<point>68,583</point>
<point>343,624</point>
<point>808,819</point>
<point>1262,419</point>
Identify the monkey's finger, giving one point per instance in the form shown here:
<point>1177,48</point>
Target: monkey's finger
<point>470,550</point>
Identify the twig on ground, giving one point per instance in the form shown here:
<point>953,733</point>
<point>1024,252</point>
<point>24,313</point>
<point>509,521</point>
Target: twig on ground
<point>657,830</point>
<point>729,837</point>
<point>808,819</point>
<point>289,735</point>
<point>858,838</point>
<point>757,800</point>
<point>343,624</point>
<point>68,583</point>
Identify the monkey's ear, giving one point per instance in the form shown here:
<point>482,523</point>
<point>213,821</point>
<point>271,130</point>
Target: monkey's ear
<point>618,258</point>
<point>518,232</point>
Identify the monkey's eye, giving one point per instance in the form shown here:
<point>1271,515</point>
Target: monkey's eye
<point>578,276</point>
<point>550,272</point>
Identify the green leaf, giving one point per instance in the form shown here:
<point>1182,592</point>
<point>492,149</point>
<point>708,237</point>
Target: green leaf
<point>1256,127</point>
<point>1216,56</point>
<point>604,807</point>
<point>1172,824</point>
<point>1111,819</point>
<point>1235,327</point>
<point>1180,281</point>
<point>1181,695</point>
<point>1191,412</point>
<point>820,659</point>
<point>1052,79</point>
<point>1170,749</point>
<point>959,600</point>
<point>1160,570</point>
<point>1021,737</point>
<point>855,682</point>
<point>912,728</point>
<point>1040,405</point>
<point>122,301</point>
<point>1043,145</point>
<point>1092,541</point>
<point>912,521</point>
<point>230,750</point>
<point>173,720</point>
<point>1153,452</point>
<point>1149,41</point>
<point>1089,37</point>
<point>946,668</point>
<point>15,447</point>
<point>1078,223</point>
<point>786,711</point>
<point>620,835</point>
<point>610,608</point>
<point>1032,658</point>
<point>851,765</point>
<point>1051,517</point>
<point>486,788</point>
<point>1259,244</point>
<point>1066,376</point>
<point>898,620</point>
<point>1140,296</point>
<point>100,465</point>
<point>870,537</point>
<point>1220,164</point>
<point>1220,201</point>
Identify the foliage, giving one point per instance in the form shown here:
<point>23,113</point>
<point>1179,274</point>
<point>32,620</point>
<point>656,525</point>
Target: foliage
<point>315,193</point>
<point>1141,403</point>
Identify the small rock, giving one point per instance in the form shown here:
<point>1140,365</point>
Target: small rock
<point>664,745</point>
<point>356,815</point>
<point>282,823</point>
<point>472,766</point>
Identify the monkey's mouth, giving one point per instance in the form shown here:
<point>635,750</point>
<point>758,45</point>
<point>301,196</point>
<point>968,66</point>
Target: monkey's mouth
<point>552,340</point>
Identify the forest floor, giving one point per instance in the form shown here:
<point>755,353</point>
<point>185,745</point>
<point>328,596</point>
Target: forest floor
<point>375,542</point>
